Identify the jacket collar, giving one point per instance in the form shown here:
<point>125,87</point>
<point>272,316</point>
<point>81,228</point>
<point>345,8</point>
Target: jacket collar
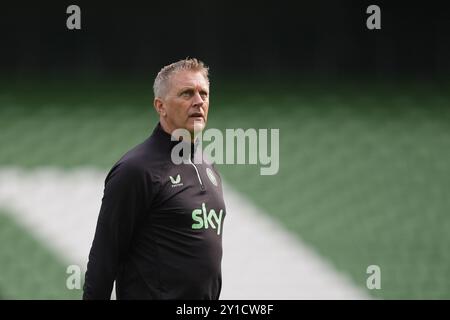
<point>165,142</point>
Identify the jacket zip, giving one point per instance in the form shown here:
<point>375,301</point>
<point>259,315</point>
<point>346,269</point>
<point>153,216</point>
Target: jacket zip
<point>198,175</point>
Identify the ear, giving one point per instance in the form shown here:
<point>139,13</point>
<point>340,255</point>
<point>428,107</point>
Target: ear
<point>159,107</point>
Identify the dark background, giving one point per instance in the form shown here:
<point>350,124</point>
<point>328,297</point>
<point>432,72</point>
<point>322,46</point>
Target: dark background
<point>261,38</point>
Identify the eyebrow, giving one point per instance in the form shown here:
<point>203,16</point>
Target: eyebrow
<point>183,89</point>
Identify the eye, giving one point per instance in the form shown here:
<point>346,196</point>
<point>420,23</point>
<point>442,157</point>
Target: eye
<point>204,94</point>
<point>186,93</point>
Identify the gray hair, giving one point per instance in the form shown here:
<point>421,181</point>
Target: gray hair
<point>160,84</point>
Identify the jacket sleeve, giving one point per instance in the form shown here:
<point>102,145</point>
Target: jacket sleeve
<point>122,204</point>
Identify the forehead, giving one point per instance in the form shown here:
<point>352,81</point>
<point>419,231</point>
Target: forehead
<point>188,78</point>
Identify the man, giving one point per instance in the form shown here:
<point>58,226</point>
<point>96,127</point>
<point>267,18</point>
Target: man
<point>159,230</point>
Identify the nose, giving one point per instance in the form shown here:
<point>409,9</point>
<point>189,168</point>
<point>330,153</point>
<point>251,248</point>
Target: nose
<point>197,100</point>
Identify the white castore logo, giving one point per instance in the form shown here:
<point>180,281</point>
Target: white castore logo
<point>176,182</point>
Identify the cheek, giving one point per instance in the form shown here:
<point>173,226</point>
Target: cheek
<point>178,110</point>
<point>182,113</point>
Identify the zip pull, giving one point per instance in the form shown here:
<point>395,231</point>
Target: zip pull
<point>202,187</point>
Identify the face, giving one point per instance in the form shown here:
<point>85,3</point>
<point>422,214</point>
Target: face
<point>186,102</point>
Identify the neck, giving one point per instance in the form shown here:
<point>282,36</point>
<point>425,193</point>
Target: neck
<point>168,129</point>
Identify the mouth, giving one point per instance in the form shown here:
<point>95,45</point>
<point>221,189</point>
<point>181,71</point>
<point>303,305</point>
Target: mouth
<point>196,115</point>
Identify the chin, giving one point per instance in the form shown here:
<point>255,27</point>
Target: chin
<point>198,126</point>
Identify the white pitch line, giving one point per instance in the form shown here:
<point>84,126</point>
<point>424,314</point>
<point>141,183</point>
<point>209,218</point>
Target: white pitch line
<point>59,207</point>
<point>261,260</point>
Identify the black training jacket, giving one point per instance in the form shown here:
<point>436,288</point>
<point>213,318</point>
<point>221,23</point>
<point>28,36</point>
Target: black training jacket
<point>159,230</point>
